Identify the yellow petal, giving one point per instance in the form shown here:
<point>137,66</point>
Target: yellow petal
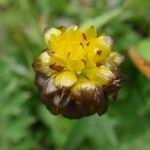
<point>45,58</point>
<point>62,28</point>
<point>99,75</point>
<point>106,40</point>
<point>73,28</point>
<point>49,33</point>
<point>104,48</point>
<point>76,66</point>
<point>41,64</point>
<point>65,79</point>
<point>82,85</point>
<point>58,61</point>
<point>90,32</point>
<point>72,34</point>
<point>116,58</point>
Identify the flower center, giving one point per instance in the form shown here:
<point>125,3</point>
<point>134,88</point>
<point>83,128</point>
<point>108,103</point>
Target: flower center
<point>75,50</point>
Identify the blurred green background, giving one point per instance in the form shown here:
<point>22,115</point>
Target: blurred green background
<point>25,124</point>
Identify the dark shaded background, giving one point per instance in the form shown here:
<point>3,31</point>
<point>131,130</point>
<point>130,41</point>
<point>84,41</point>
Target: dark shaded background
<point>25,124</point>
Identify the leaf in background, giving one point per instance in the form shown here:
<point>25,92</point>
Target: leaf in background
<point>103,19</point>
<point>106,124</point>
<point>4,2</point>
<point>77,134</point>
<point>142,11</point>
<point>139,143</point>
<point>143,48</point>
<point>58,127</point>
<point>15,118</point>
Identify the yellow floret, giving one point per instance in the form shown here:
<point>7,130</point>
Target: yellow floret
<point>81,85</point>
<point>116,58</point>
<point>99,75</point>
<point>65,79</point>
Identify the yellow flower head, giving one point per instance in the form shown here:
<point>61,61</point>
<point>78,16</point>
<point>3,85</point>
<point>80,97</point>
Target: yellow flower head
<point>75,53</point>
<point>79,60</point>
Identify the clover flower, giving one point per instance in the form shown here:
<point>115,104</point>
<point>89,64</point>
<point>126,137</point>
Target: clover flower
<point>78,71</point>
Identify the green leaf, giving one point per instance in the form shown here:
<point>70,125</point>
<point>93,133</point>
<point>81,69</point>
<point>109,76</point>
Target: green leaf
<point>144,49</point>
<point>107,127</point>
<point>77,134</point>
<point>103,19</point>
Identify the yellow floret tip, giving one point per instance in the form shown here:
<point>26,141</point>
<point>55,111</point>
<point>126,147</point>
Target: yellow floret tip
<point>81,85</point>
<point>65,79</point>
<point>99,75</point>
